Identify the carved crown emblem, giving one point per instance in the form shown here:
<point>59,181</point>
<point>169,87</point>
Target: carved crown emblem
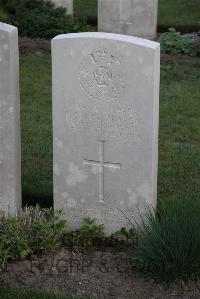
<point>102,56</point>
<point>101,75</point>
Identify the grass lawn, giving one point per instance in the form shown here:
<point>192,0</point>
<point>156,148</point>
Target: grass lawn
<point>179,143</point>
<point>86,8</point>
<point>179,146</point>
<point>180,14</point>
<point>36,123</point>
<point>12,293</point>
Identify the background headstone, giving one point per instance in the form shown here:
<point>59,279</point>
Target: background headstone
<point>131,17</point>
<point>65,3</point>
<point>105,126</point>
<point>10,156</point>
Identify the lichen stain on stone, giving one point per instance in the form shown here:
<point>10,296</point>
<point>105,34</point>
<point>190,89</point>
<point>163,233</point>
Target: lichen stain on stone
<point>75,175</point>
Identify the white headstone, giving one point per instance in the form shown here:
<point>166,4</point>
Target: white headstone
<point>10,156</point>
<point>68,4</point>
<point>131,17</point>
<point>105,126</point>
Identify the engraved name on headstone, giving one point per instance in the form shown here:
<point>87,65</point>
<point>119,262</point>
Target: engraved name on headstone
<point>105,127</point>
<point>10,156</point>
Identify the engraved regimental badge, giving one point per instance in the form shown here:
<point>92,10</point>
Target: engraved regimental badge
<point>101,76</point>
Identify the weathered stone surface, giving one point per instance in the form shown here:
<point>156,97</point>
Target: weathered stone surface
<point>10,162</point>
<point>105,125</point>
<point>67,4</point>
<point>131,17</point>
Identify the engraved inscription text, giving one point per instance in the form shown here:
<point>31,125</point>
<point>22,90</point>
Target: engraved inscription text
<point>114,123</point>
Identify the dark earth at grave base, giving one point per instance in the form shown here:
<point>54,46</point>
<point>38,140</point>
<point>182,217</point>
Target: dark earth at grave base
<point>98,275</point>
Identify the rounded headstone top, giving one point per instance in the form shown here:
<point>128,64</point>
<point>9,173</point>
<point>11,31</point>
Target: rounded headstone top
<point>7,27</point>
<point>111,36</point>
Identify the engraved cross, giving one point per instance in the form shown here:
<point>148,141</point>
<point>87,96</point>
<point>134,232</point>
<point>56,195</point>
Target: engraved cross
<point>101,164</point>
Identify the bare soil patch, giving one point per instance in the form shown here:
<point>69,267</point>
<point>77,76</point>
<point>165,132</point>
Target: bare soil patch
<point>37,45</point>
<point>97,275</point>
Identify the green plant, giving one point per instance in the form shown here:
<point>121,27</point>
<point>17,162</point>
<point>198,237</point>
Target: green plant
<point>78,25</point>
<point>85,237</point>
<point>46,229</point>
<point>13,241</point>
<point>33,231</point>
<point>126,235</point>
<point>169,242</point>
<point>173,42</point>
<point>41,18</point>
<point>91,235</point>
